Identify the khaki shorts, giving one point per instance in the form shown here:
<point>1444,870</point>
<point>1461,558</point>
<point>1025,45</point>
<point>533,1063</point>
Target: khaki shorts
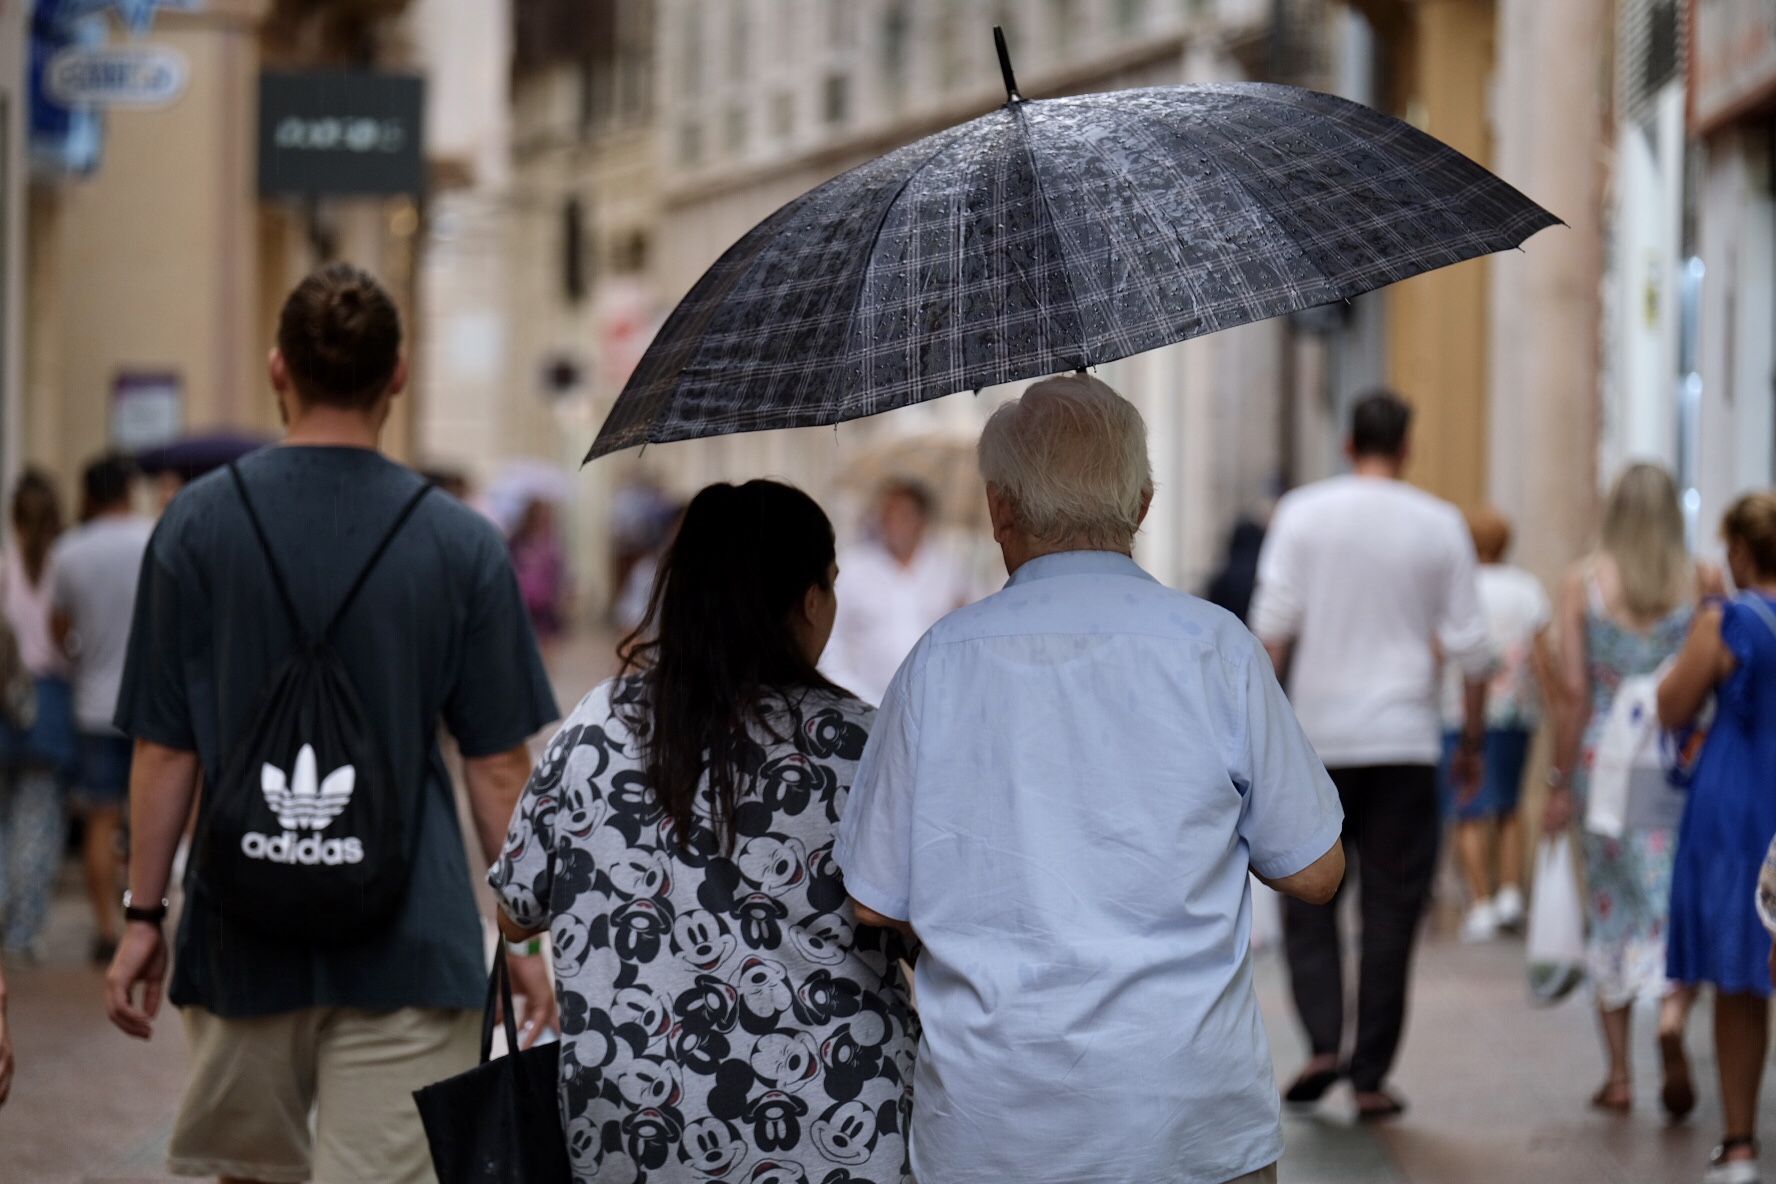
<point>1261,1176</point>
<point>323,1094</point>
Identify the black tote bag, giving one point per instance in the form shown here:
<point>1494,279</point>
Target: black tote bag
<point>499,1123</point>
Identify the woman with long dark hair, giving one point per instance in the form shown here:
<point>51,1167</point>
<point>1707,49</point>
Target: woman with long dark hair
<point>34,758</point>
<point>723,1015</point>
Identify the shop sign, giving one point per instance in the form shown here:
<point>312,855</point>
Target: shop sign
<point>147,409</point>
<point>117,76</point>
<point>338,133</point>
<point>1732,60</point>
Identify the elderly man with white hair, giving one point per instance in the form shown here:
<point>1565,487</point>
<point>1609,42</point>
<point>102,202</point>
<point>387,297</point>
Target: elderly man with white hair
<point>1065,789</point>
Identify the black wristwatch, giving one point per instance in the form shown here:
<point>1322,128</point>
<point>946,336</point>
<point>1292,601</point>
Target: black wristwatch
<point>153,916</point>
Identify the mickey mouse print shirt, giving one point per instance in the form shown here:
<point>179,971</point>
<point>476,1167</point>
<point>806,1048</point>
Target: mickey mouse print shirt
<point>723,1018</point>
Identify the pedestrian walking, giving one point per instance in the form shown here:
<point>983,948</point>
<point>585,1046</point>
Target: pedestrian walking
<point>894,584</point>
<point>1066,789</point>
<point>1622,611</point>
<point>1364,580</point>
<point>722,1010</point>
<point>319,598</point>
<point>537,557</point>
<point>36,757</point>
<point>1716,937</point>
<point>1232,586</point>
<point>94,569</point>
<point>1488,832</point>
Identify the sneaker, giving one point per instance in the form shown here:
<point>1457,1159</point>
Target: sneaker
<point>1481,923</point>
<point>1508,907</point>
<point>1730,1171</point>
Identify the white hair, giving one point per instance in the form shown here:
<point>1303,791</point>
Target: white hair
<point>1071,457</point>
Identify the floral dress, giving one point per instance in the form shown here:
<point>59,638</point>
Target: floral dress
<point>1628,879</point>
<point>723,1017</point>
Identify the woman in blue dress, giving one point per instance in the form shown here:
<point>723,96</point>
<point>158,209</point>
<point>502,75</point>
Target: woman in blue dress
<point>1716,936</point>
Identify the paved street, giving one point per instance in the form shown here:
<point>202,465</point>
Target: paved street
<point>1497,1089</point>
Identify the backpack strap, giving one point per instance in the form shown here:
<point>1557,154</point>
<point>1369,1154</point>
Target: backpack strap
<point>277,572</point>
<point>375,558</point>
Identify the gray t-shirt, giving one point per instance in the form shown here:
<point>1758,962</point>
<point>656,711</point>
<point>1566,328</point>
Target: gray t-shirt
<point>94,569</point>
<point>438,635</point>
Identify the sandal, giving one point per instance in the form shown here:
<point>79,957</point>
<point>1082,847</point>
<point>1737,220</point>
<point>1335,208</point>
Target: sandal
<point>1389,1106</point>
<point>1679,1094</point>
<point>1311,1086</point>
<point>1617,1097</point>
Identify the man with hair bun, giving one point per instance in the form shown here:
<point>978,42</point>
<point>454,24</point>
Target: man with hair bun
<point>304,1052</point>
<point>1064,796</point>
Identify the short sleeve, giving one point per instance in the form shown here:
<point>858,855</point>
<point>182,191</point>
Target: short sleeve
<point>1541,609</point>
<point>874,846</point>
<point>523,878</point>
<point>1461,627</point>
<point>152,702</point>
<point>1291,815</point>
<point>1740,629</point>
<point>1278,602</point>
<point>502,695</point>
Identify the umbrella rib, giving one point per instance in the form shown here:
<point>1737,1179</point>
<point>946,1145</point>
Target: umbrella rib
<point>1055,228</point>
<point>876,235</point>
<point>1188,134</point>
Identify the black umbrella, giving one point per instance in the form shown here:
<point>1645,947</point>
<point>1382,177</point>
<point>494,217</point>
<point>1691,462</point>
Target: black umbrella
<point>192,456</point>
<point>1054,235</point>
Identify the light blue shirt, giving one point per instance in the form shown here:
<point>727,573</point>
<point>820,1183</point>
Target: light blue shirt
<point>1064,790</point>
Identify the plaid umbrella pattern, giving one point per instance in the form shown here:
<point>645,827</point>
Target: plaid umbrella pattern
<point>1053,235</point>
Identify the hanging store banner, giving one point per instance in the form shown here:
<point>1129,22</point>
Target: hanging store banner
<point>1732,61</point>
<point>341,133</point>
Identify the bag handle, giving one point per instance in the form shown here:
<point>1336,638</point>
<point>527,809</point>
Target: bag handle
<point>1762,611</point>
<point>499,990</point>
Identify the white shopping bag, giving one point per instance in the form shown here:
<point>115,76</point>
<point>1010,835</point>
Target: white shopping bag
<point>1556,923</point>
<point>1630,787</point>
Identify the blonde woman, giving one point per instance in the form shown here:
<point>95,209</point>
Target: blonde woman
<point>1623,610</point>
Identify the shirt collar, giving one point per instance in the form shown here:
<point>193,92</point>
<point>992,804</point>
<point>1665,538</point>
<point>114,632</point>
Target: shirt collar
<point>1078,563</point>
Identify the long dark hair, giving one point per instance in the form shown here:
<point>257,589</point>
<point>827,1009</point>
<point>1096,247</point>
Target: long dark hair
<point>36,521</point>
<point>717,638</point>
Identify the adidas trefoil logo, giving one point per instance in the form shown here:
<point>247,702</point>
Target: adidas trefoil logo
<point>305,801</point>
<point>299,803</point>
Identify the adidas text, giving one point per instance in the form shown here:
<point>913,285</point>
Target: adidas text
<point>309,850</point>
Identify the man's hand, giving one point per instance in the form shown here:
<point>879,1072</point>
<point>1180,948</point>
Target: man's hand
<point>1467,769</point>
<point>141,961</point>
<point>538,1013</point>
<point>5,1048</point>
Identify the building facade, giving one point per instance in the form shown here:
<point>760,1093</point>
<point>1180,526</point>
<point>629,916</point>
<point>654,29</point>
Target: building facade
<point>755,101</point>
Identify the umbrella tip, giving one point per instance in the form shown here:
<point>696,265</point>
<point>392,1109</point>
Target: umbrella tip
<point>1011,90</point>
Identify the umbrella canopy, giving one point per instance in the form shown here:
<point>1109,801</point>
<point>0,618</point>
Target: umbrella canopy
<point>942,462</point>
<point>192,456</point>
<point>1054,235</point>
<point>520,482</point>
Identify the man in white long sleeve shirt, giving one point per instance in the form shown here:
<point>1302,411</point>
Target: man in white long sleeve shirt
<point>1362,582</point>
